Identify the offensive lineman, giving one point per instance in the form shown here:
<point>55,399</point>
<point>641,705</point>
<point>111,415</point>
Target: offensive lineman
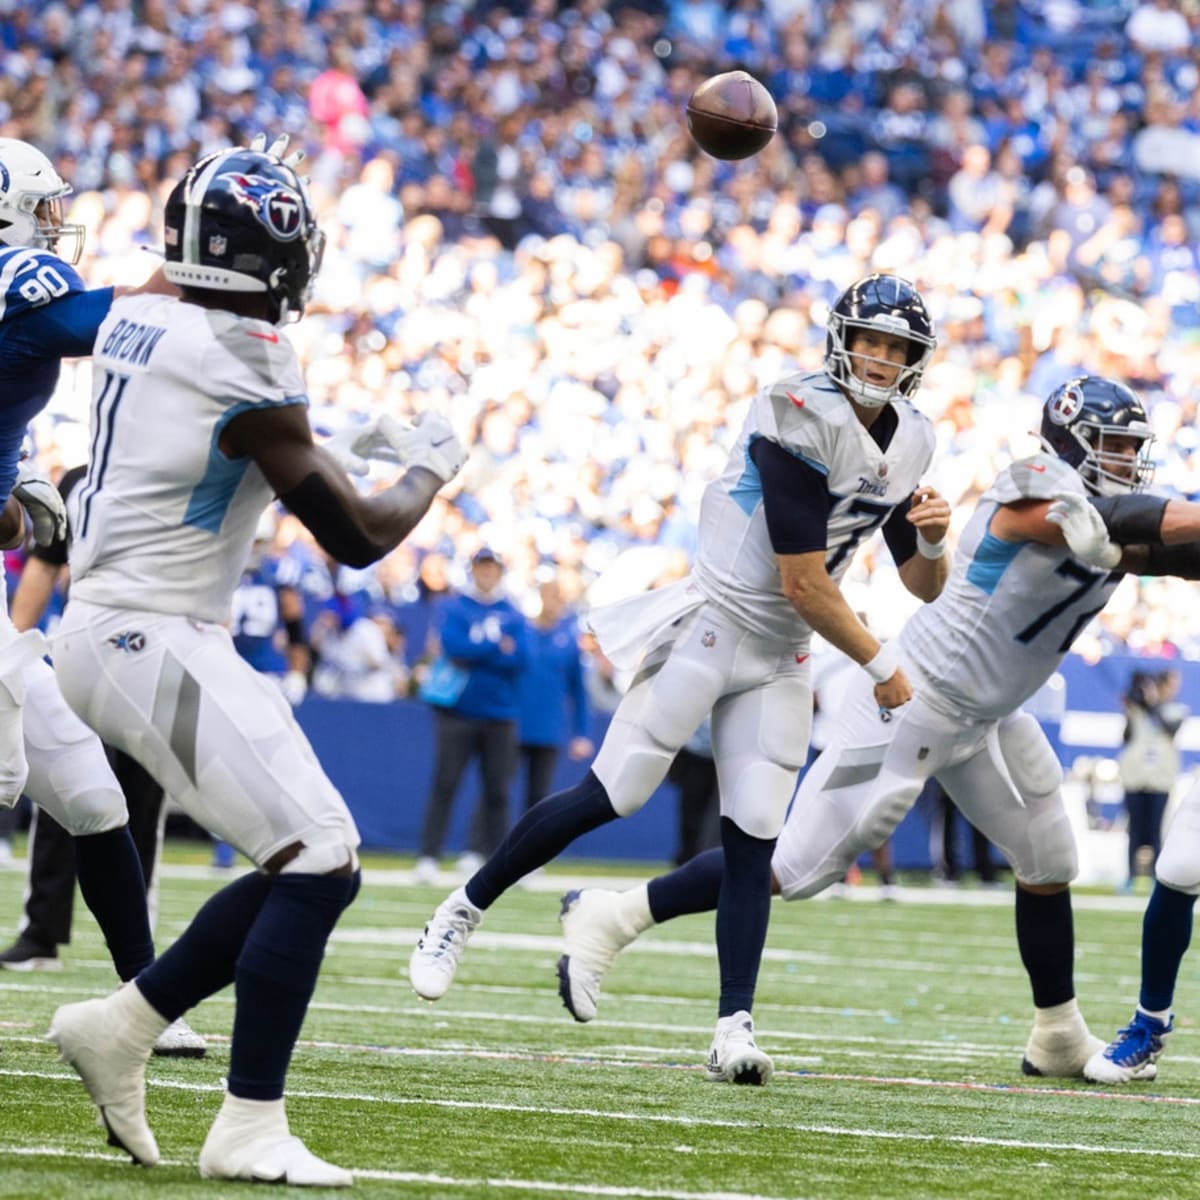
<point>199,420</point>
<point>1019,593</point>
<point>823,460</point>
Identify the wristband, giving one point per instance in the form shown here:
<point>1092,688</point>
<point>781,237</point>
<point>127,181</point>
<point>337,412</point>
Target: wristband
<point>930,549</point>
<point>885,663</point>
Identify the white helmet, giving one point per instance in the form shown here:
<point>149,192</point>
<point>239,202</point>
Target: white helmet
<point>31,202</point>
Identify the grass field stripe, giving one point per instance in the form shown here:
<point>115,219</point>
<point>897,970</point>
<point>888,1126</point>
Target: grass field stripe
<point>688,1121</point>
<point>556,1186</point>
<point>526,1185</point>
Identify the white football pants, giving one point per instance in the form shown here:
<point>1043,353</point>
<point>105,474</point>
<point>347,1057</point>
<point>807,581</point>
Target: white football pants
<point>760,698</point>
<point>219,737</point>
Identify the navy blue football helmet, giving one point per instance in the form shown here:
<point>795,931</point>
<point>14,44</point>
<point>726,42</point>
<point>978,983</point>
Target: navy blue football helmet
<point>1077,418</point>
<point>886,304</point>
<point>241,221</point>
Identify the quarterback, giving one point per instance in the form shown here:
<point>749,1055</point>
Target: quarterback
<point>822,461</point>
<point>1023,584</point>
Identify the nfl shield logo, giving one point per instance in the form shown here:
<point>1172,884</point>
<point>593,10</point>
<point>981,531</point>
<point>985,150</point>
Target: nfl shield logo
<point>217,245</point>
<point>709,639</point>
<point>882,470</point>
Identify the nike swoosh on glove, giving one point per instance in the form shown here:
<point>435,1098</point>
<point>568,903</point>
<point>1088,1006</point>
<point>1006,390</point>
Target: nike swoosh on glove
<point>429,442</point>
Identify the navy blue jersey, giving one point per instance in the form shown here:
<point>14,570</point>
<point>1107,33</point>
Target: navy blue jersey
<point>46,315</point>
<point>257,626</point>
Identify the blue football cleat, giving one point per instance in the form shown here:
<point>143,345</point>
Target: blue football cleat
<point>1132,1053</point>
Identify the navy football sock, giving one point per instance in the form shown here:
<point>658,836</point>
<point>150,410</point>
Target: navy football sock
<point>743,911</point>
<point>1046,940</point>
<point>694,887</point>
<point>276,975</point>
<point>110,878</point>
<point>201,961</point>
<point>547,828</point>
<point>1166,934</point>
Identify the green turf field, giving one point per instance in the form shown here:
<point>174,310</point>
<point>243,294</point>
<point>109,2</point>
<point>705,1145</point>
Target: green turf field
<point>896,1030</point>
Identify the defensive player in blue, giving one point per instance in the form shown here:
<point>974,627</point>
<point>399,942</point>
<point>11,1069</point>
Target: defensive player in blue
<point>47,314</point>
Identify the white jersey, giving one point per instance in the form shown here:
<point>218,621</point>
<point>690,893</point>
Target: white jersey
<point>164,520</point>
<point>808,416</point>
<point>1010,610</point>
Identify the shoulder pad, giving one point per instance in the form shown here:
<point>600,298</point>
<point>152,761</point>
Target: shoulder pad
<point>1041,477</point>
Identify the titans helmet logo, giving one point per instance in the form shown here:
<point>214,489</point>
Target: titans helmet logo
<point>1065,406</point>
<point>277,207</point>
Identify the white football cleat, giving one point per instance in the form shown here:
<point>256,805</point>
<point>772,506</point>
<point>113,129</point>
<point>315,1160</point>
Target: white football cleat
<point>593,935</point>
<point>250,1140</point>
<point>95,1039</point>
<point>425,870</point>
<point>1060,1046</point>
<point>180,1040</point>
<point>734,1057</point>
<point>435,958</point>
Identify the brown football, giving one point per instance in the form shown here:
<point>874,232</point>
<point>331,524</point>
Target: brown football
<point>732,115</point>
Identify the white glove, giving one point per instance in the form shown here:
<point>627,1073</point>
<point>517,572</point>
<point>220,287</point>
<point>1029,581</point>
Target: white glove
<point>353,446</point>
<point>277,149</point>
<point>1084,531</point>
<point>430,442</point>
<point>294,686</point>
<point>42,502</point>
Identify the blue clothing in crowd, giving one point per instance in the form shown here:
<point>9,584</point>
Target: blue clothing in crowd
<point>471,631</point>
<point>257,620</point>
<point>553,701</point>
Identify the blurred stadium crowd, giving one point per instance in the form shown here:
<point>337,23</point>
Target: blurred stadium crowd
<point>522,233</point>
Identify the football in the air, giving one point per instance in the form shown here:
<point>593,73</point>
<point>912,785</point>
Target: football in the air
<point>732,115</point>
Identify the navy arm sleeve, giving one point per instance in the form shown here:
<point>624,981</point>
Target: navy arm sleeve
<point>900,533</point>
<point>796,499</point>
<point>67,328</point>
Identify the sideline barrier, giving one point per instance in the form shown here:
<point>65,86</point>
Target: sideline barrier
<point>381,757</point>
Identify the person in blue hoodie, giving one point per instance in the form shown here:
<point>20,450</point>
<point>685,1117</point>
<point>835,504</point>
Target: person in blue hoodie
<point>554,709</point>
<point>484,640</point>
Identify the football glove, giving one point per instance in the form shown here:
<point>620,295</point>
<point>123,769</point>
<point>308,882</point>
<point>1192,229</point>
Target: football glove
<point>41,500</point>
<point>1084,531</point>
<point>355,445</point>
<point>294,686</point>
<point>429,442</point>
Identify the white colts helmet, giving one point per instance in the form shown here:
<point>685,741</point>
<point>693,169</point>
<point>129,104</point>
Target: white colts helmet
<point>31,202</point>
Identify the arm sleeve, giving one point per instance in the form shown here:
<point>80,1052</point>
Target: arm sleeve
<point>67,327</point>
<point>900,534</point>
<point>796,499</point>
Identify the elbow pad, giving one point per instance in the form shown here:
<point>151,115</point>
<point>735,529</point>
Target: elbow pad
<point>1182,561</point>
<point>336,531</point>
<point>1133,520</point>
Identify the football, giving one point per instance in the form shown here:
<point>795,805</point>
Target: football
<point>731,116</point>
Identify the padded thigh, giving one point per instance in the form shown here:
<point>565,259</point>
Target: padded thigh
<point>1035,836</point>
<point>1178,864</point>
<point>69,773</point>
<point>218,736</point>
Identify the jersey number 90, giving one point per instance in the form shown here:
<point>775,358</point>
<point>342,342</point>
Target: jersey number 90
<point>44,285</point>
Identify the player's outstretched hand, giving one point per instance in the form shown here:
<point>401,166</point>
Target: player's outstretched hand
<point>354,447</point>
<point>1083,530</point>
<point>429,442</point>
<point>41,501</point>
